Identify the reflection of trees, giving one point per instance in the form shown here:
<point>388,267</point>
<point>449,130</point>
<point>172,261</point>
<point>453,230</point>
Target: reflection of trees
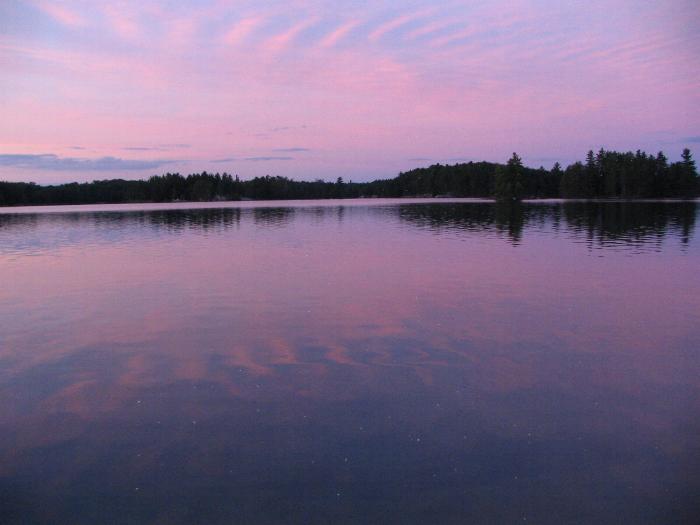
<point>41,231</point>
<point>600,223</point>
<point>319,214</point>
<point>507,218</point>
<point>168,219</point>
<point>10,221</point>
<point>604,222</point>
<point>273,217</point>
<point>205,219</point>
<point>630,222</point>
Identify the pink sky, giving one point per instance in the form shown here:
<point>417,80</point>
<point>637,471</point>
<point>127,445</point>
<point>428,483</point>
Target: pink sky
<point>315,89</point>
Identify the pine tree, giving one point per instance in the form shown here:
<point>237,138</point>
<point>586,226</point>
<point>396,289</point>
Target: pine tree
<point>509,180</point>
<point>687,183</point>
<point>660,186</point>
<point>589,185</point>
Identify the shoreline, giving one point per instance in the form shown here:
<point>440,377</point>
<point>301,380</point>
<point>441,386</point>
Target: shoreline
<point>300,203</point>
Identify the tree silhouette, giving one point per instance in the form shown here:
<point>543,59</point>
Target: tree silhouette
<point>607,174</point>
<point>509,180</point>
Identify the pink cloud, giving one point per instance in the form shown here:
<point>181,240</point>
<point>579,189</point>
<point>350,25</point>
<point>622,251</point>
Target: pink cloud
<point>490,76</point>
<point>181,31</point>
<point>396,23</point>
<point>427,29</point>
<point>284,40</point>
<point>241,30</point>
<point>60,13</point>
<point>338,34</point>
<point>453,37</point>
<point>122,21</point>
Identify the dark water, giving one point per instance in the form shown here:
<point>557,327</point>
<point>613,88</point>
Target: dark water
<point>384,362</point>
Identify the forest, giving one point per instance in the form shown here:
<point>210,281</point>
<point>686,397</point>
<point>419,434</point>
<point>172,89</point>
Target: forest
<point>606,174</point>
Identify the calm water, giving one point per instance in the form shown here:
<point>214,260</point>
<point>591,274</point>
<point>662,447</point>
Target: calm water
<point>350,362</point>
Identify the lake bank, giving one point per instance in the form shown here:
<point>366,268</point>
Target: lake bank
<point>101,206</point>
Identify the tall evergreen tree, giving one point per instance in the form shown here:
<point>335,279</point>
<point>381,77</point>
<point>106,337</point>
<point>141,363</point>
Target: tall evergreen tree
<point>660,184</point>
<point>589,184</point>
<point>572,181</point>
<point>509,182</point>
<point>687,183</point>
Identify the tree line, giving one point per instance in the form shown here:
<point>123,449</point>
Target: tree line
<point>606,174</point>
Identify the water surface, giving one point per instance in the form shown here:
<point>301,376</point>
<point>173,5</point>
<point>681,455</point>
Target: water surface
<point>350,362</point>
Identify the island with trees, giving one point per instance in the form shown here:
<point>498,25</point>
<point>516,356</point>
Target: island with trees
<point>606,174</point>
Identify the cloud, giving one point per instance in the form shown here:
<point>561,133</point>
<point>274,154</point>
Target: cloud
<point>122,21</point>
<point>396,23</point>
<point>257,159</point>
<point>283,41</point>
<point>428,29</point>
<point>51,162</point>
<point>291,150</point>
<point>465,34</point>
<point>60,14</point>
<point>693,140</point>
<point>396,77</point>
<point>279,129</point>
<point>419,159</point>
<point>338,34</point>
<point>241,30</point>
<point>228,159</point>
<point>160,147</point>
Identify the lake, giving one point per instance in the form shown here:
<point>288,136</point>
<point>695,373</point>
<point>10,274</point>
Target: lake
<point>370,361</point>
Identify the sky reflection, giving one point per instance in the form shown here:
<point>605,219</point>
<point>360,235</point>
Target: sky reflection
<point>283,364</point>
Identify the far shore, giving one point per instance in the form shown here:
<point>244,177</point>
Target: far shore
<point>350,201</point>
<point>608,175</point>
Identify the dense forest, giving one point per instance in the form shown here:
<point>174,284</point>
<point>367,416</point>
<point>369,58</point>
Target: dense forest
<point>607,174</point>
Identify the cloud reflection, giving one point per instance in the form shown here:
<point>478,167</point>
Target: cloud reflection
<point>227,354</point>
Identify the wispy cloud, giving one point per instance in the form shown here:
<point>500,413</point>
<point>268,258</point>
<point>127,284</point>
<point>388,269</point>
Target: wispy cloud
<point>286,128</point>
<point>282,41</point>
<point>122,21</point>
<point>394,24</point>
<point>428,29</point>
<point>241,30</point>
<point>160,147</point>
<point>338,34</point>
<point>51,162</point>
<point>227,159</point>
<point>59,13</point>
<point>388,81</point>
<point>463,34</point>
<point>278,129</point>
<point>262,159</point>
<point>291,150</point>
